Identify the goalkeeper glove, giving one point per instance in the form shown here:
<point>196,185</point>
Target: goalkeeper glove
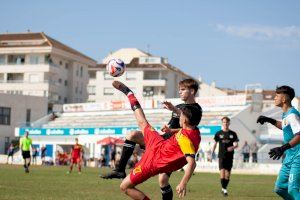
<point>277,152</point>
<point>263,119</point>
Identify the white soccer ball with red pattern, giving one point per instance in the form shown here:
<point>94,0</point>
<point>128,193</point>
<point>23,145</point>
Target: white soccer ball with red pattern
<point>115,67</point>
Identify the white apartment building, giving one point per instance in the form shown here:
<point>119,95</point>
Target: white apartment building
<point>150,77</point>
<point>18,110</point>
<point>38,65</point>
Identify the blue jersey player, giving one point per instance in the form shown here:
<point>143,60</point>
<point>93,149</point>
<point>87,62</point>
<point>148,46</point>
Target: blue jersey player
<point>288,182</point>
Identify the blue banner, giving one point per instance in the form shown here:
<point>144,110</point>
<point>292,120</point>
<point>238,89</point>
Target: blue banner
<point>205,130</point>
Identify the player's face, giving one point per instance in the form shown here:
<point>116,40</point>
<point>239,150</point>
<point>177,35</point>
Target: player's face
<point>279,99</point>
<point>185,93</point>
<point>225,124</point>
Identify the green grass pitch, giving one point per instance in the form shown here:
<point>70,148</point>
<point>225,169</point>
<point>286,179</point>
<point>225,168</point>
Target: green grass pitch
<point>47,182</point>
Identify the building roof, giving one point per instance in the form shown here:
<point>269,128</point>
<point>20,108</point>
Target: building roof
<point>134,64</point>
<point>11,40</point>
<point>125,54</point>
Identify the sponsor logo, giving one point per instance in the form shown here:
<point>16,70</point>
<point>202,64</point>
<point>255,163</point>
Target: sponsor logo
<point>79,131</point>
<point>54,132</point>
<point>205,130</point>
<point>34,132</point>
<point>137,170</point>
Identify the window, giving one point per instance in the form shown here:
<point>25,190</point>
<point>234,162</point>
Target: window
<point>66,82</point>
<point>148,91</point>
<point>107,76</point>
<point>16,59</point>
<point>67,66</point>
<point>65,100</point>
<point>60,80</point>
<point>28,114</point>
<point>4,116</point>
<point>81,71</point>
<point>91,90</point>
<point>130,75</point>
<point>151,75</point>
<point>60,62</point>
<point>108,91</point>
<point>2,59</point>
<point>92,74</point>
<point>33,59</point>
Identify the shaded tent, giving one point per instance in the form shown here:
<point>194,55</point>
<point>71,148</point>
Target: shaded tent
<point>110,141</point>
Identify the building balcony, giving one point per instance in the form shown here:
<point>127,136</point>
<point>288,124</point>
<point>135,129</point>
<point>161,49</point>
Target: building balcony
<point>155,82</point>
<point>23,68</point>
<point>26,85</point>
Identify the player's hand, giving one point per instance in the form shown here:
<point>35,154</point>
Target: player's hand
<point>230,149</point>
<point>277,152</point>
<point>263,119</point>
<point>165,129</point>
<point>181,190</point>
<point>168,105</point>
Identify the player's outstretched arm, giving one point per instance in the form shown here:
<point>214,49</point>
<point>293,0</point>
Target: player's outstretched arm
<point>277,152</point>
<point>135,105</point>
<point>181,187</point>
<point>263,119</point>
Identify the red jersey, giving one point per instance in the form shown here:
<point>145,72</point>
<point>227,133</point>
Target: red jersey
<point>171,155</point>
<point>76,150</point>
<point>164,156</point>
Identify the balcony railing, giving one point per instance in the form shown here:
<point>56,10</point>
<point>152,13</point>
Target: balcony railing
<point>29,82</point>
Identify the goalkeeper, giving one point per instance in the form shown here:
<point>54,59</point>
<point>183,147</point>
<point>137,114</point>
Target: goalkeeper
<point>288,182</point>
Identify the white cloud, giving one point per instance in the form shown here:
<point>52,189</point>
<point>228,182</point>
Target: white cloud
<point>261,32</point>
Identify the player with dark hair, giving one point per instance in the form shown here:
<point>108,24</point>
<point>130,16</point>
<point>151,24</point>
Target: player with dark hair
<point>187,90</point>
<point>288,182</point>
<point>228,141</point>
<point>76,156</point>
<point>162,156</point>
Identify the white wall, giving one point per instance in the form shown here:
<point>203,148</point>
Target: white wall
<point>19,104</point>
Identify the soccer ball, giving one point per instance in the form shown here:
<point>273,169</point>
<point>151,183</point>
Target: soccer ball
<point>115,67</point>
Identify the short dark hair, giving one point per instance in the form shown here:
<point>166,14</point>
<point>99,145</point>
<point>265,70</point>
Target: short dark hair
<point>192,114</point>
<point>190,83</point>
<point>286,90</point>
<point>226,118</point>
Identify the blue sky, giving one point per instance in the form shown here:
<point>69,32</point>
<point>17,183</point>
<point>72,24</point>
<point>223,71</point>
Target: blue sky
<point>231,42</point>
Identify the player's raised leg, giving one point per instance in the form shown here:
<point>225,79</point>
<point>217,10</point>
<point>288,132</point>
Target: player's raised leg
<point>135,105</point>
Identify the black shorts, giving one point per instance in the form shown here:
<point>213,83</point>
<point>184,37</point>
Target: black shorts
<point>26,154</point>
<point>225,163</point>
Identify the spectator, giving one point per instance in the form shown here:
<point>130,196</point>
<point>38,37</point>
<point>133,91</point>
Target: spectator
<point>254,150</point>
<point>208,153</point>
<point>246,152</point>
<point>10,153</point>
<point>113,157</point>
<point>43,154</point>
<point>34,154</point>
<point>102,161</point>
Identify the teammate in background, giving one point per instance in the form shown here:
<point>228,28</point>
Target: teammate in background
<point>10,153</point>
<point>34,154</point>
<point>187,90</point>
<point>228,141</point>
<point>163,156</point>
<point>288,182</point>
<point>25,145</point>
<point>76,156</point>
<point>43,154</point>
